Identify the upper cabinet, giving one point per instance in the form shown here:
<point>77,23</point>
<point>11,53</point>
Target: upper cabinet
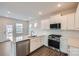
<point>67,22</point>
<point>77,18</point>
<point>55,19</point>
<point>45,24</point>
<point>63,22</point>
<point>71,21</point>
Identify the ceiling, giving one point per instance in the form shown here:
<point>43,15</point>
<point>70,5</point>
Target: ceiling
<point>29,10</point>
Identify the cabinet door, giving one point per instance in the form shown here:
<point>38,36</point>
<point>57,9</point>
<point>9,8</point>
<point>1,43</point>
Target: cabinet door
<point>45,40</point>
<point>77,18</point>
<point>63,22</point>
<point>40,42</point>
<point>55,19</point>
<point>35,43</point>
<point>32,44</point>
<point>70,21</point>
<point>45,24</point>
<point>74,51</point>
<point>63,45</point>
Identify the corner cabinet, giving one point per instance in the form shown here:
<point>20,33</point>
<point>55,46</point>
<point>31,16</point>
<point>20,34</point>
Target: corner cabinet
<point>77,18</point>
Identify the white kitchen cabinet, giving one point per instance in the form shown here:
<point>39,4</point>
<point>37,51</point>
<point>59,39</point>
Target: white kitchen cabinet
<point>73,44</point>
<point>70,21</point>
<point>67,22</point>
<point>77,18</point>
<point>63,45</point>
<point>63,22</point>
<point>45,40</point>
<point>59,19</point>
<point>55,19</point>
<point>45,24</point>
<point>74,51</point>
<point>35,43</point>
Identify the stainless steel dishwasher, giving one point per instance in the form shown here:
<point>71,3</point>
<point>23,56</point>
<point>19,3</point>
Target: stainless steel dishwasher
<point>23,47</point>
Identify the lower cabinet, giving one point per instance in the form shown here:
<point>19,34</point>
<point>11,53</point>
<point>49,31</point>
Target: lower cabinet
<point>63,45</point>
<point>35,43</point>
<point>23,48</point>
<point>74,51</point>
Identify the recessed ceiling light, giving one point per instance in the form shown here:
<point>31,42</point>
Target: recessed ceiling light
<point>40,13</point>
<point>59,5</point>
<point>8,12</point>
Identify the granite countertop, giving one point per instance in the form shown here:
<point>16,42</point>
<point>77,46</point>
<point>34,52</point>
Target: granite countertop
<point>22,40</point>
<point>30,37</point>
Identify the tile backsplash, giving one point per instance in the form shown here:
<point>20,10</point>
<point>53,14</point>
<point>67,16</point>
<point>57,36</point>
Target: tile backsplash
<point>64,33</point>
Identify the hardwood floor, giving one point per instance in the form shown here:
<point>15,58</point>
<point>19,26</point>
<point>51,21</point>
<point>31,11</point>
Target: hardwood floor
<point>45,51</point>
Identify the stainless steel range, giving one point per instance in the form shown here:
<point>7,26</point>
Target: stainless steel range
<point>54,41</point>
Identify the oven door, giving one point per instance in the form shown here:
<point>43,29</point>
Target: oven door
<point>53,43</point>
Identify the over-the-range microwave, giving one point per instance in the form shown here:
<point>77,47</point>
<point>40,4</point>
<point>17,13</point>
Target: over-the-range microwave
<point>55,26</point>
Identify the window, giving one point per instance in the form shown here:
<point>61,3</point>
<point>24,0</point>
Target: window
<point>19,28</point>
<point>9,32</point>
<point>19,38</point>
